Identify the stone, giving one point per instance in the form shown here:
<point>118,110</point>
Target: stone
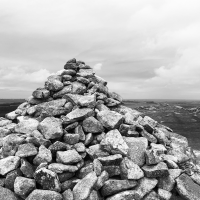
<point>115,96</point>
<point>94,195</point>
<point>88,139</point>
<point>7,194</point>
<point>130,170</point>
<point>60,168</point>
<point>112,170</point>
<point>83,80</point>
<point>57,146</point>
<point>156,171</point>
<point>53,85</point>
<point>51,128</point>
<point>83,188</point>
<point>71,138</point>
<point>47,179</point>
<point>114,143</point>
<point>78,88</point>
<point>86,73</point>
<point>148,136</point>
<point>43,195</point>
<point>186,188</point>
<point>24,186</point>
<point>4,122</point>
<point>164,194</point>
<point>10,178</point>
<point>111,160</point>
<point>80,147</point>
<point>26,150</point>
<point>110,119</point>
<point>8,164</point>
<point>68,195</point>
<point>152,157</point>
<point>95,151</point>
<point>196,177</point>
<point>137,148</point>
<point>11,115</point>
<point>98,167</point>
<point>152,196</point>
<point>87,101</point>
<point>79,130</point>
<point>78,114</point>
<point>86,169</point>
<point>168,182</point>
<point>104,176</point>
<point>113,186</point>
<point>44,155</point>
<point>61,93</point>
<point>41,93</point>
<point>71,126</point>
<point>92,125</point>
<point>68,157</point>
<point>69,72</point>
<point>65,176</point>
<point>26,168</point>
<point>27,126</point>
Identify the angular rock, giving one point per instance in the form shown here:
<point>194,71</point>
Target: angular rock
<point>91,125</point>
<point>111,160</point>
<point>53,85</point>
<point>26,168</point>
<point>130,170</point>
<point>68,157</point>
<point>83,188</point>
<point>26,150</point>
<point>8,164</point>
<point>61,93</point>
<point>24,186</point>
<point>12,115</point>
<point>164,195</point>
<point>41,93</point>
<point>112,170</point>
<point>95,151</point>
<point>51,128</point>
<point>10,178</point>
<point>152,157</point>
<point>27,126</point>
<point>137,148</point>
<point>47,179</point>
<point>78,114</point>
<point>187,188</point>
<point>155,171</point>
<point>60,168</point>
<point>87,101</point>
<point>7,194</point>
<point>44,155</point>
<point>78,88</point>
<point>57,146</point>
<point>4,122</point>
<point>104,176</point>
<point>44,194</point>
<point>113,186</point>
<point>114,143</point>
<point>71,138</point>
<point>68,195</point>
<point>110,119</point>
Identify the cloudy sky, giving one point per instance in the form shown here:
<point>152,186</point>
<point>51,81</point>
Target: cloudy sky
<point>143,48</point>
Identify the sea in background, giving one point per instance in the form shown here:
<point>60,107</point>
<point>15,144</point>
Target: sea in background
<point>182,116</point>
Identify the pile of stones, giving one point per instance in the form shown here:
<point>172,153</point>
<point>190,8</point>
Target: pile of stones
<point>73,139</point>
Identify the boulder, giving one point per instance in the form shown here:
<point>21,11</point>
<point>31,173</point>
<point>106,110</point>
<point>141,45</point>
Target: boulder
<point>51,128</point>
<point>114,143</point>
<point>110,119</point>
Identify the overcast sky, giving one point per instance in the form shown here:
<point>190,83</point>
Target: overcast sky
<point>144,49</point>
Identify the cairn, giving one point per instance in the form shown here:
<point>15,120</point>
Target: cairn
<point>73,139</point>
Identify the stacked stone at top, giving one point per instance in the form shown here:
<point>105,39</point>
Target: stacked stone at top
<point>73,139</point>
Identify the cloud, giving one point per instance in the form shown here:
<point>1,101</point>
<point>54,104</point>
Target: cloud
<point>149,47</point>
<point>97,67</point>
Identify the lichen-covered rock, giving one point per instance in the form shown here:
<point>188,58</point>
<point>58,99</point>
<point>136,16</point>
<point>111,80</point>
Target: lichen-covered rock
<point>92,125</point>
<point>130,170</point>
<point>47,179</point>
<point>43,195</point>
<point>114,143</point>
<point>187,188</point>
<point>137,148</point>
<point>110,119</point>
<point>83,188</point>
<point>68,157</point>
<point>24,186</point>
<point>51,128</point>
<point>8,164</point>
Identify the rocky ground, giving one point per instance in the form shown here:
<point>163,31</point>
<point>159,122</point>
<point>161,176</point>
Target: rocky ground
<point>73,139</point>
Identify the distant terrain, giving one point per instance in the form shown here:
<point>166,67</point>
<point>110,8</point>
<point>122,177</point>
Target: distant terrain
<point>182,116</point>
